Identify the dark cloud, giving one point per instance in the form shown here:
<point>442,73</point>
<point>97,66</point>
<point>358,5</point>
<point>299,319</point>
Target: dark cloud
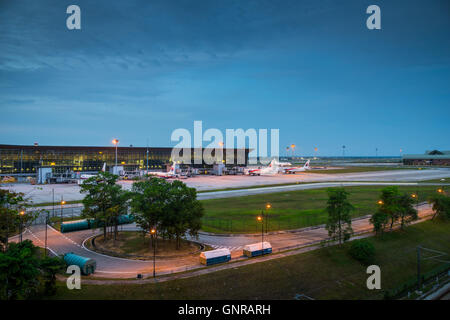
<point>147,67</point>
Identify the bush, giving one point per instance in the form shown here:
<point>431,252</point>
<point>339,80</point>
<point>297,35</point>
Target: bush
<point>363,251</point>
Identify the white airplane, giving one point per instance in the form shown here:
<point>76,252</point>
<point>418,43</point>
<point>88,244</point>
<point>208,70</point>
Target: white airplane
<point>283,164</point>
<point>172,173</point>
<point>293,170</point>
<point>87,176</point>
<point>271,169</point>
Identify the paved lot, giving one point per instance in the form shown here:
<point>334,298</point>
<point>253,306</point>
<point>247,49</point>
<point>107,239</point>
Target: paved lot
<point>69,192</point>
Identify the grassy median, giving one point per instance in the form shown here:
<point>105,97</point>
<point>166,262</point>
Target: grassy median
<point>327,273</point>
<point>290,210</point>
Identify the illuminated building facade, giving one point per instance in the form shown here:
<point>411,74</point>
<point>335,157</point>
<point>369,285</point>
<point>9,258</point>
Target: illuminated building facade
<point>24,160</point>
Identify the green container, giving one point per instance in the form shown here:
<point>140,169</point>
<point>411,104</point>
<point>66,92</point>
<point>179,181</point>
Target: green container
<point>125,219</point>
<point>75,225</point>
<point>87,265</point>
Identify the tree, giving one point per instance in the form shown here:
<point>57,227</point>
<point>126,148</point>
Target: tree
<point>184,212</point>
<point>170,207</point>
<point>148,202</point>
<point>11,205</point>
<point>441,206</point>
<point>362,250</point>
<point>19,271</point>
<point>407,213</point>
<point>50,266</point>
<point>389,203</point>
<point>379,220</point>
<point>104,200</point>
<point>393,206</point>
<point>339,224</point>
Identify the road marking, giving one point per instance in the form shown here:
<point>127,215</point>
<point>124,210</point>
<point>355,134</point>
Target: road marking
<point>64,236</point>
<point>111,257</point>
<point>39,240</point>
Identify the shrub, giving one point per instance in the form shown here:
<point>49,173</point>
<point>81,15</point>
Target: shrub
<point>363,251</point>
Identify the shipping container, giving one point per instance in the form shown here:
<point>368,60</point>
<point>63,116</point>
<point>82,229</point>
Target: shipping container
<point>215,256</point>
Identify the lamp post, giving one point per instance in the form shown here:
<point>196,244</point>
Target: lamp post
<point>46,226</point>
<point>268,206</point>
<point>221,152</point>
<point>115,143</point>
<point>260,219</point>
<point>21,214</point>
<point>293,150</point>
<point>153,234</point>
<point>61,211</point>
<point>416,198</point>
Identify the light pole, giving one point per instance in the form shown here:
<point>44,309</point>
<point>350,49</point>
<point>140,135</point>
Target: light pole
<point>21,214</point>
<point>260,219</point>
<point>153,233</point>
<point>46,226</point>
<point>221,151</point>
<point>115,143</point>
<point>62,204</point>
<point>268,206</point>
<point>293,150</point>
<point>416,198</point>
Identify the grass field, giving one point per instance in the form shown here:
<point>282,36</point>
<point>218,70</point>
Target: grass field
<point>327,273</point>
<point>290,210</point>
<point>133,243</point>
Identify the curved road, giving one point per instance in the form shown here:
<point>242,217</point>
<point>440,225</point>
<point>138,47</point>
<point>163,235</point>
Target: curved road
<point>108,266</point>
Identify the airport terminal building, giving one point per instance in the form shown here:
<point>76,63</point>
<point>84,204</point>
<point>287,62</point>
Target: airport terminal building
<point>23,160</point>
<point>429,158</point>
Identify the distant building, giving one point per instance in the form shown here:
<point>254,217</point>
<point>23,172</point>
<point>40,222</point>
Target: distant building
<point>25,160</point>
<point>429,158</point>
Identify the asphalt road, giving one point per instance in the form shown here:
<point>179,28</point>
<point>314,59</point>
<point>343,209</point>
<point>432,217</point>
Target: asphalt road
<point>108,266</point>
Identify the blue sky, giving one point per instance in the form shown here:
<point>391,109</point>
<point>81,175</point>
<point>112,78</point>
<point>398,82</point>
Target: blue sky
<point>137,70</point>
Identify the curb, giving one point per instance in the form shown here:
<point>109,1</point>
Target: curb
<point>142,258</point>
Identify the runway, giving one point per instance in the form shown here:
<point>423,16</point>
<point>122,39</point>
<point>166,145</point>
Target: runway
<point>71,192</point>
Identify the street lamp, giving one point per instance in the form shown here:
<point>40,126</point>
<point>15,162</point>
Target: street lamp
<point>260,219</point>
<point>62,204</point>
<point>380,202</point>
<point>268,206</point>
<point>115,143</point>
<point>46,226</point>
<point>293,150</point>
<point>416,197</point>
<point>21,214</point>
<point>440,190</point>
<point>153,234</point>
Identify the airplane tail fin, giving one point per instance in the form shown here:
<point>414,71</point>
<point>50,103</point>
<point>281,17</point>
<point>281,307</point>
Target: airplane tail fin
<point>306,166</point>
<point>173,168</point>
<point>274,165</point>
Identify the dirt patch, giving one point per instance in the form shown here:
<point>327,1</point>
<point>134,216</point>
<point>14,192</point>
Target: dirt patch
<point>133,245</point>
